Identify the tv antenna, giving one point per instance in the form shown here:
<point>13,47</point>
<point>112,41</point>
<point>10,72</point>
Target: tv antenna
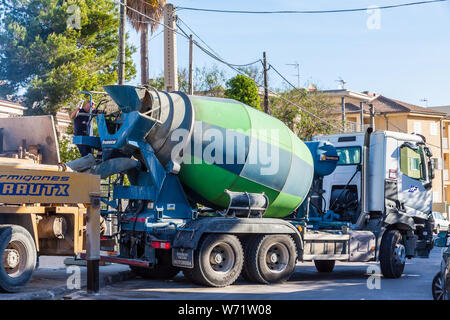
<point>342,83</point>
<point>297,66</point>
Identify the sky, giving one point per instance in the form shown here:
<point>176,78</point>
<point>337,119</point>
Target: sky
<point>402,53</point>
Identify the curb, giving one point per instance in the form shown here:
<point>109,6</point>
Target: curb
<point>62,292</point>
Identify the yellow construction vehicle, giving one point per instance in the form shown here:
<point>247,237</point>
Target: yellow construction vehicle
<point>45,209</point>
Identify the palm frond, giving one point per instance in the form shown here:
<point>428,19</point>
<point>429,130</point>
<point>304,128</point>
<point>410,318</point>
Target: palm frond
<point>150,8</point>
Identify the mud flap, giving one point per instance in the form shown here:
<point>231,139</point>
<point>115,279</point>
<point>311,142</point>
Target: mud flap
<point>183,258</point>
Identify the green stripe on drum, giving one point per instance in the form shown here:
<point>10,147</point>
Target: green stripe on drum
<point>236,116</point>
<point>283,205</point>
<point>225,113</point>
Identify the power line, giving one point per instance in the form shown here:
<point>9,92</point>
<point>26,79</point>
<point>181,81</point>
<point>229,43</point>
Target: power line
<point>309,11</point>
<point>212,55</point>
<point>300,91</point>
<point>138,47</point>
<point>212,50</point>
<point>195,34</point>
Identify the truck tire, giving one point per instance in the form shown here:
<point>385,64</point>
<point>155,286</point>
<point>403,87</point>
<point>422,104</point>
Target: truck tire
<point>392,254</point>
<point>272,259</point>
<point>248,244</point>
<point>164,270</point>
<point>19,255</point>
<point>324,265</point>
<point>218,261</point>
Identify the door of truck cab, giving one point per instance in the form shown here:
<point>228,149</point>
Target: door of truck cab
<point>414,179</point>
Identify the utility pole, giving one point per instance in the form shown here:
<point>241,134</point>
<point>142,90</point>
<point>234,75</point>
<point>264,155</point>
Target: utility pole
<point>191,64</point>
<point>266,91</point>
<point>122,43</point>
<point>372,117</point>
<point>343,115</point>
<point>170,49</point>
<point>361,105</point>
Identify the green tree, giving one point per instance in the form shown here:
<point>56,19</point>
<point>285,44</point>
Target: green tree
<point>67,151</point>
<point>243,89</point>
<point>316,114</point>
<point>51,49</point>
<point>207,81</point>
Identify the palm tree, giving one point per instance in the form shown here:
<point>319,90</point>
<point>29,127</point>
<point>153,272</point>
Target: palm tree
<point>154,10</point>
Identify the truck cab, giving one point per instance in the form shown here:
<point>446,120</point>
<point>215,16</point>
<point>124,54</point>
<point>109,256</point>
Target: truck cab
<point>381,191</point>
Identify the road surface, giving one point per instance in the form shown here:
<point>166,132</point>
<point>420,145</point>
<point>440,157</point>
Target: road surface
<point>348,281</point>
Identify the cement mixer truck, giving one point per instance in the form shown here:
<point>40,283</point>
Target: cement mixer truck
<point>217,189</point>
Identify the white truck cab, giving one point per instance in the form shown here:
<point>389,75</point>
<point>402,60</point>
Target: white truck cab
<point>398,165</point>
<point>377,202</point>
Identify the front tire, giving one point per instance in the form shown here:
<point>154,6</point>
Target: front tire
<point>324,265</point>
<point>392,254</point>
<point>218,261</point>
<point>272,259</point>
<point>19,255</point>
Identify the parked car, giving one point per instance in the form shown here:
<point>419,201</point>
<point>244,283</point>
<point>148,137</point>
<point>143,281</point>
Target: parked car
<point>441,283</point>
<point>440,223</point>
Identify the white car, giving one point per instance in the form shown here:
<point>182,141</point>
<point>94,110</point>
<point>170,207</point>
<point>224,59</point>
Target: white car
<point>440,223</point>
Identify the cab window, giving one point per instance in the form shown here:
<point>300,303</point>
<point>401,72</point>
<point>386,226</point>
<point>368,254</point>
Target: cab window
<point>349,155</point>
<point>412,163</point>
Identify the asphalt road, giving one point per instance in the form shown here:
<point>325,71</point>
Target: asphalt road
<point>348,281</point>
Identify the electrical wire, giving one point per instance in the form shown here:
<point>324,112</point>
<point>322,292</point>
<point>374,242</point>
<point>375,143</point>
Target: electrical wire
<point>309,11</point>
<point>300,91</point>
<point>212,55</point>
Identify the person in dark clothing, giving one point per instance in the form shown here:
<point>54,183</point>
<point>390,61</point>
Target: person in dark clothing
<point>80,119</point>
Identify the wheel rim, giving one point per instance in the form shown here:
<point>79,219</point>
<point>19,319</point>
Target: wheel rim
<point>222,257</point>
<point>438,289</point>
<point>277,257</point>
<point>14,259</point>
<point>399,253</point>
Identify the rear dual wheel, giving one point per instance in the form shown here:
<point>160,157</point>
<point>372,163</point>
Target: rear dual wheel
<point>270,259</point>
<point>217,262</point>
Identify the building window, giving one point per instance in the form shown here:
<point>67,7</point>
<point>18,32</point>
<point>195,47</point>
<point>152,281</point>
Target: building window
<point>433,129</point>
<point>417,127</point>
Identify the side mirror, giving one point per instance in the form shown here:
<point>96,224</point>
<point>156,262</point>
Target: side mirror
<point>431,168</point>
<point>441,240</point>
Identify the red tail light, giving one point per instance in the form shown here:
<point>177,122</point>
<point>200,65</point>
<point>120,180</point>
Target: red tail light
<point>160,245</point>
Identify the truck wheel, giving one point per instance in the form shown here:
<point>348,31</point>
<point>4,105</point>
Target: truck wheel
<point>392,254</point>
<point>324,265</point>
<point>438,288</point>
<point>217,262</point>
<point>272,259</point>
<point>164,270</point>
<point>19,258</point>
<point>247,247</point>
